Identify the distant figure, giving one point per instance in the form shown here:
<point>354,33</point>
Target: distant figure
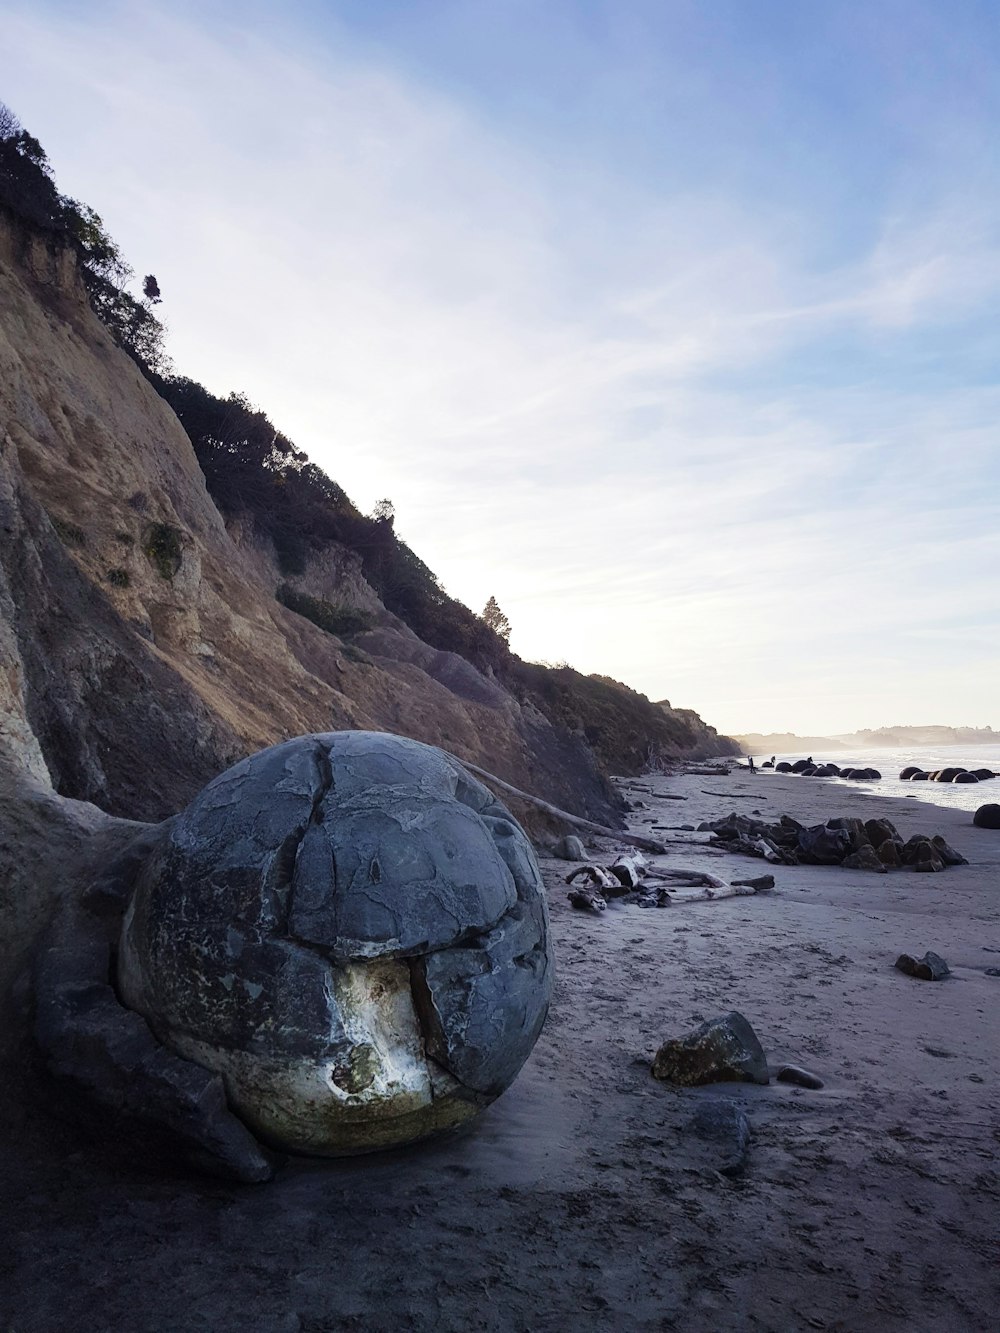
<point>809,760</point>
<point>752,769</point>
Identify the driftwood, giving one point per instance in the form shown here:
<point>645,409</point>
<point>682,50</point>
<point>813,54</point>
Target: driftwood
<point>733,796</point>
<point>587,899</point>
<point>628,870</point>
<point>632,839</point>
<point>594,875</point>
<point>759,885</point>
<point>699,877</point>
<point>669,796</point>
<point>711,894</point>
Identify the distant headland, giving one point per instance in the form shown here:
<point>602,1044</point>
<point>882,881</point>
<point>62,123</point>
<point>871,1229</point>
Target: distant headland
<point>786,742</point>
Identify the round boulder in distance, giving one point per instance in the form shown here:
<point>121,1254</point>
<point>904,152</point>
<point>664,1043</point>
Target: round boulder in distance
<point>909,772</point>
<point>965,777</point>
<point>984,774</point>
<point>353,932</point>
<point>783,767</point>
<point>987,816</point>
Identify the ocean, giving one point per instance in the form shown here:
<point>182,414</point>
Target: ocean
<point>891,762</point>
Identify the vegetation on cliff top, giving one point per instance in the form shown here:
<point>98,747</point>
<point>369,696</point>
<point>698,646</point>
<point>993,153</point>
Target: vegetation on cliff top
<point>254,472</point>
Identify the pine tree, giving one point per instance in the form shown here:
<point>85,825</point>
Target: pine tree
<point>496,620</point>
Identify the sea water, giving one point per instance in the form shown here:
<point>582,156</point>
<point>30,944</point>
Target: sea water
<point>891,762</point>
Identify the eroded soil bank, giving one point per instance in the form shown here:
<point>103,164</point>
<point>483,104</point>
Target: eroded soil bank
<point>581,1199</point>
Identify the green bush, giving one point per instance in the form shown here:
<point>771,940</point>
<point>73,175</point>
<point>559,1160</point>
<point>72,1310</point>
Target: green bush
<point>69,534</point>
<point>330,616</point>
<point>163,549</point>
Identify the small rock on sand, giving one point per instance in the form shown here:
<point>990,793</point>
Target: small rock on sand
<point>931,967</point>
<point>802,1078</point>
<point>720,1122</point>
<point>569,848</point>
<point>722,1050</point>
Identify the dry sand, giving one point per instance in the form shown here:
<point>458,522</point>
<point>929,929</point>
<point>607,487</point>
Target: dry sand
<point>580,1200</point>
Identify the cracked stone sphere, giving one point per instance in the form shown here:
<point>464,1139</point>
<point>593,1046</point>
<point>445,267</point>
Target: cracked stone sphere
<point>353,932</point>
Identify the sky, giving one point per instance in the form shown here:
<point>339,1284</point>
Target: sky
<point>670,324</point>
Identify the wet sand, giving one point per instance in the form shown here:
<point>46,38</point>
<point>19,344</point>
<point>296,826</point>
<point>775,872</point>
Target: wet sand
<point>581,1200</point>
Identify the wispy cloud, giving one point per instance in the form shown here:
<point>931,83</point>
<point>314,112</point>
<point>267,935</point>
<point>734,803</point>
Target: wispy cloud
<point>584,392</point>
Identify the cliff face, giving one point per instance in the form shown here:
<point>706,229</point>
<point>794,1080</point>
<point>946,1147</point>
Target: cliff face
<point>142,646</point>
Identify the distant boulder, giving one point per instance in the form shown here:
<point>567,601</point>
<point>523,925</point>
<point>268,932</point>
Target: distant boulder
<point>783,767</point>
<point>965,777</point>
<point>984,774</point>
<point>920,777</point>
<point>909,772</point>
<point>949,774</point>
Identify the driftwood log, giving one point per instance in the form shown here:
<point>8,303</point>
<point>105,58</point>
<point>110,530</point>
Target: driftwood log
<point>734,796</point>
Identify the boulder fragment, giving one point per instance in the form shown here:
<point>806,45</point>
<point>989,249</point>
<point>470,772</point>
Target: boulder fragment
<point>721,1050</point>
<point>932,967</point>
<point>802,1078</point>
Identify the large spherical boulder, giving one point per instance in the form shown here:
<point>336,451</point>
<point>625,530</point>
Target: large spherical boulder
<point>984,774</point>
<point>783,767</point>
<point>987,816</point>
<point>965,777</point>
<point>353,932</point>
<point>909,772</point>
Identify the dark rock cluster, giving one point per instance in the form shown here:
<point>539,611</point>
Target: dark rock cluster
<point>961,775</point>
<point>856,844</point>
<point>806,768</point>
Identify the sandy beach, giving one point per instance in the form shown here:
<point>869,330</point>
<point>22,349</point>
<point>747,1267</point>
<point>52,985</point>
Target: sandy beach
<point>582,1199</point>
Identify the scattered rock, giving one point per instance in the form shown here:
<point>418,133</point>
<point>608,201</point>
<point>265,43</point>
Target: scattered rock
<point>931,967</point>
<point>569,848</point>
<point>865,858</point>
<point>824,846</point>
<point>987,816</point>
<point>721,1123</point>
<point>888,853</point>
<point>721,1050</point>
<point>947,854</point>
<point>802,1078</point>
<point>878,830</point>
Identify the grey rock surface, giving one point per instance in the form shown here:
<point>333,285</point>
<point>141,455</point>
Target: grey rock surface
<point>352,931</point>
<point>723,1125</point>
<point>722,1050</point>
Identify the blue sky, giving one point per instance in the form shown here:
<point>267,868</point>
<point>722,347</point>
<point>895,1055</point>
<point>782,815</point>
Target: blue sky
<point>671,325</point>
